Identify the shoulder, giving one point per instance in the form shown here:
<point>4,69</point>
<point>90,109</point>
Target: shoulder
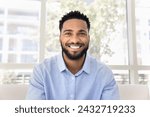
<point>99,66</point>
<point>47,63</point>
<point>101,71</point>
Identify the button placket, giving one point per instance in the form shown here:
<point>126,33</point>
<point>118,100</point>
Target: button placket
<point>72,88</point>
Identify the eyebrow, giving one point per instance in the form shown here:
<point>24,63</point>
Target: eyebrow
<point>82,30</point>
<point>69,30</point>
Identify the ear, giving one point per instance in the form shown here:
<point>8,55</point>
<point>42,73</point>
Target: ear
<point>89,37</point>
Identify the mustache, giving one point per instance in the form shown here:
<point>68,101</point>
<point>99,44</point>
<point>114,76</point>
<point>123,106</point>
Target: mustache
<point>75,44</point>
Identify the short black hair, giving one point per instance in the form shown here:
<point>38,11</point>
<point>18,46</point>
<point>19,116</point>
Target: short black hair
<point>74,15</point>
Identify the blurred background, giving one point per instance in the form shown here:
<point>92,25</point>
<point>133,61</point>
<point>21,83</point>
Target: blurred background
<point>120,36</point>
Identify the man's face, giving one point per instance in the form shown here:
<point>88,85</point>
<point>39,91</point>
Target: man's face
<point>74,38</point>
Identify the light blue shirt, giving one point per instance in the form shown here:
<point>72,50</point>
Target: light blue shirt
<point>52,80</point>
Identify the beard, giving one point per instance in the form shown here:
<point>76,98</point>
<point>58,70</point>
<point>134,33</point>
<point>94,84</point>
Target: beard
<point>76,56</point>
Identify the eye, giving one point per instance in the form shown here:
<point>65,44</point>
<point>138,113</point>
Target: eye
<point>82,34</point>
<point>67,34</point>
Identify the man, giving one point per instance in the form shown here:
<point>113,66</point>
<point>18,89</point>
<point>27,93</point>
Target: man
<point>73,75</point>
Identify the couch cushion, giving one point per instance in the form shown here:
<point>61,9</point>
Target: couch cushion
<point>134,92</point>
<point>13,92</point>
<point>127,92</point>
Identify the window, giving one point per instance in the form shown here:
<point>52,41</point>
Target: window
<point>119,36</point>
<point>143,28</point>
<point>19,39</point>
<point>142,13</point>
<point>1,41</point>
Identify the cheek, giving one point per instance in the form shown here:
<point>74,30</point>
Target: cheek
<point>86,41</point>
<point>62,42</point>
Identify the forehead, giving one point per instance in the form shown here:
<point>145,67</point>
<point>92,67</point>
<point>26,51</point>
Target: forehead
<point>74,24</point>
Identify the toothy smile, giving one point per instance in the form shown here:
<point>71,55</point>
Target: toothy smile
<point>74,46</point>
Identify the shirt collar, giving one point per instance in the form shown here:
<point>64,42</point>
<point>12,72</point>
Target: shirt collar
<point>61,63</point>
<point>86,65</point>
<point>62,66</point>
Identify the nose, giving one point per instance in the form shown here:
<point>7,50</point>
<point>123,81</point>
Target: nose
<point>75,39</point>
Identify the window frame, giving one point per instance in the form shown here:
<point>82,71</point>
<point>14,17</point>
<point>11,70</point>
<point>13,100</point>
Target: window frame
<point>132,67</point>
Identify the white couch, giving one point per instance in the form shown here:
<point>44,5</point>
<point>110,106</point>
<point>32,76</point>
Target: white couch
<point>13,92</point>
<point>127,92</point>
<point>134,92</point>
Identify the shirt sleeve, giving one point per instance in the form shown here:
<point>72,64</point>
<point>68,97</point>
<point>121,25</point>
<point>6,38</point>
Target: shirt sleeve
<point>110,91</point>
<point>36,88</point>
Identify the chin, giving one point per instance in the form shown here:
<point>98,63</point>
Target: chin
<point>76,56</point>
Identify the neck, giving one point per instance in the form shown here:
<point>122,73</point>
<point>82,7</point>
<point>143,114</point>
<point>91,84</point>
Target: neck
<point>74,65</point>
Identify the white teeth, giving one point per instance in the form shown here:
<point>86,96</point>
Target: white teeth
<point>74,47</point>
